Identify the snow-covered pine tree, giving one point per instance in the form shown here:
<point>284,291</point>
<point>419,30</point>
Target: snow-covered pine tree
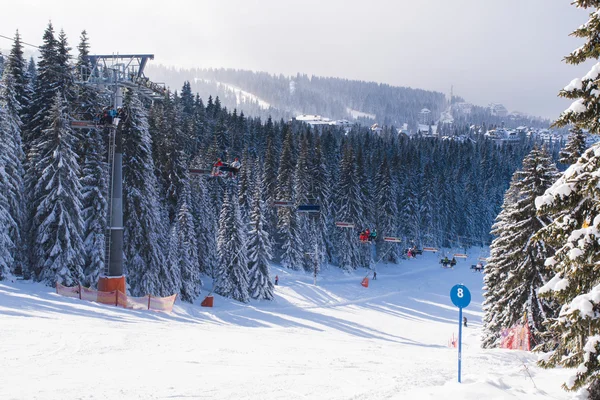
<point>386,213</point>
<point>17,66</point>
<point>183,248</point>
<point>246,184</point>
<point>6,222</point>
<point>8,226</point>
<point>206,224</point>
<point>321,193</point>
<point>409,206</point>
<point>232,275</point>
<point>574,148</point>
<point>144,234</point>
<point>94,194</point>
<point>573,201</point>
<point>288,224</point>
<point>308,227</point>
<point>497,269</point>
<point>11,157</point>
<point>259,249</point>
<point>57,223</point>
<point>522,258</point>
<point>428,200</point>
<point>365,251</point>
<point>349,209</point>
<point>270,187</point>
<point>94,172</point>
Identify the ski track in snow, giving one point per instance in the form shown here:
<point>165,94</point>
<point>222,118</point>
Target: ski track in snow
<point>336,340</point>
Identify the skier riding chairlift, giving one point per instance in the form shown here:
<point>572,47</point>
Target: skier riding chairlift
<point>235,167</point>
<point>373,235</point>
<point>216,171</point>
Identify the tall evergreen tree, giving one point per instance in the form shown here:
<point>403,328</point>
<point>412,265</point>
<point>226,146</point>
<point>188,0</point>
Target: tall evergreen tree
<point>259,250</point>
<point>206,224</point>
<point>57,223</point>
<point>498,268</point>
<point>47,83</point>
<point>17,67</point>
<point>522,262</point>
<point>232,276</point>
<point>574,148</point>
<point>288,224</point>
<point>350,202</point>
<point>573,201</point>
<point>11,157</point>
<point>183,250</point>
<point>387,213</point>
<point>144,234</point>
<point>95,194</point>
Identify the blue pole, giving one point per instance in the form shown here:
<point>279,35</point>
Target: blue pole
<point>459,340</point>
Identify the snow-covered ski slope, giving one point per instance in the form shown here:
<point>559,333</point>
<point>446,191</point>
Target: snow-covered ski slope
<point>337,340</point>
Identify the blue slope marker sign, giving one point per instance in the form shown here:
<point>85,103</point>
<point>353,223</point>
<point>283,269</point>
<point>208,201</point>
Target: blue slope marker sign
<point>461,298</point>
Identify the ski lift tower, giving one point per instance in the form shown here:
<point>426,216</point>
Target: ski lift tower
<point>111,74</point>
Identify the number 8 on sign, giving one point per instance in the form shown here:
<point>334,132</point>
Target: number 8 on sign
<point>460,296</point>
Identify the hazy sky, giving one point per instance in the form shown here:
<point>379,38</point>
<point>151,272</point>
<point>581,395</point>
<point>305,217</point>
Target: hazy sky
<point>506,51</point>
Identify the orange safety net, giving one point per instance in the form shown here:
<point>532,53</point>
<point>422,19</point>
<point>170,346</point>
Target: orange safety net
<point>138,303</point>
<point>107,297</point>
<point>67,291</point>
<point>89,294</point>
<point>162,303</point>
<point>121,299</point>
<point>118,298</point>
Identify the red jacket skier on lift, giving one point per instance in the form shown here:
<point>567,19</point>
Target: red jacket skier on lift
<point>216,166</point>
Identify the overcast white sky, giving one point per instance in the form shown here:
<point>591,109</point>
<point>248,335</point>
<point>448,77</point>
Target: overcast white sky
<point>506,51</point>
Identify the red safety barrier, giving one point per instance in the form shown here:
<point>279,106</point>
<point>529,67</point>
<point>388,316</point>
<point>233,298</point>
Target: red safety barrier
<point>68,291</point>
<point>516,338</point>
<point>118,298</point>
<point>365,282</point>
<point>162,303</point>
<point>207,302</point>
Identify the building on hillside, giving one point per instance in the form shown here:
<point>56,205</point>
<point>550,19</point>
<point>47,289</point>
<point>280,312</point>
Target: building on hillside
<point>425,116</point>
<point>375,128</point>
<point>462,108</point>
<point>498,109</point>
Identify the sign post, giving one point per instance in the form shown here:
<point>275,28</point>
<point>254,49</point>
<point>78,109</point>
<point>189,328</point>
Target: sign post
<point>461,297</point>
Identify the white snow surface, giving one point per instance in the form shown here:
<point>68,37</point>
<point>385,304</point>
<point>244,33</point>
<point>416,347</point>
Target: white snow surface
<point>241,95</point>
<point>359,114</point>
<point>577,107</point>
<point>336,340</point>
<point>575,84</point>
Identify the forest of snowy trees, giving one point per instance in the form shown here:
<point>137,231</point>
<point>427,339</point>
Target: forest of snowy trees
<point>179,228</point>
